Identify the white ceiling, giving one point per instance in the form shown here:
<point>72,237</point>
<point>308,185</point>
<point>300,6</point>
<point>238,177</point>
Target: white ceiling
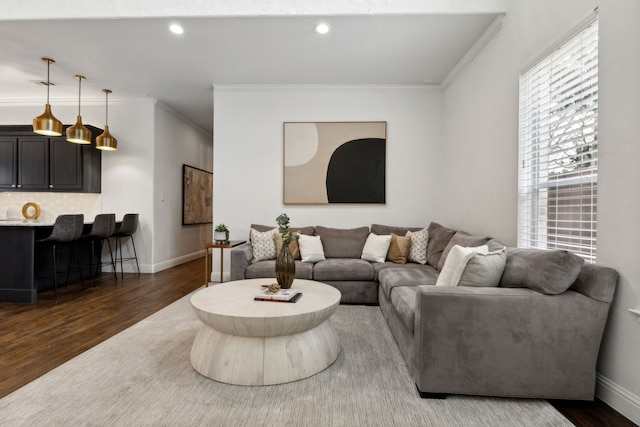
<point>137,57</point>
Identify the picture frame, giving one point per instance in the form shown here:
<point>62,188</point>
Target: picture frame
<point>334,162</point>
<point>197,196</point>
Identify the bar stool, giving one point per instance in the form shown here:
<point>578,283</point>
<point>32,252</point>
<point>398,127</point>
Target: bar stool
<point>126,229</point>
<point>66,230</point>
<point>103,227</point>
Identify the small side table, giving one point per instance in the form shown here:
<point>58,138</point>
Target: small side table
<point>222,247</point>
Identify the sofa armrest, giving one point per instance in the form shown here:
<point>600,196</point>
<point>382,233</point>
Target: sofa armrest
<point>241,257</point>
<point>507,342</point>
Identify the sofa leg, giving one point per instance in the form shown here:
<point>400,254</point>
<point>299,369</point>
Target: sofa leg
<point>427,395</point>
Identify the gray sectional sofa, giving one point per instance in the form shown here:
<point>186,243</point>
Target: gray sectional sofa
<point>536,334</point>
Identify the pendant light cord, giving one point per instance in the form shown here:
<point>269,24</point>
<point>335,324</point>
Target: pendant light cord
<point>79,90</point>
<point>48,80</point>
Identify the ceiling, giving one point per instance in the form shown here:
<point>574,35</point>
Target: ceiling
<point>140,57</point>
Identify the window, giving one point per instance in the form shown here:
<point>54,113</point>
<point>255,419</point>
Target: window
<point>558,148</point>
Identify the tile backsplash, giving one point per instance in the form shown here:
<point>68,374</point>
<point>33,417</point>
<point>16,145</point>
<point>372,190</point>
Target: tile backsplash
<point>51,204</point>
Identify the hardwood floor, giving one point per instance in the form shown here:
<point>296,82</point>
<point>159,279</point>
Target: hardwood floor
<point>37,338</point>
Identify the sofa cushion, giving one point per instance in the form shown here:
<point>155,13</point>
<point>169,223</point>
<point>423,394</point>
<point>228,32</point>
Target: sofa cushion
<point>439,237</point>
<point>484,269</point>
<point>389,229</point>
<point>311,249</point>
<point>343,243</point>
<point>463,239</point>
<point>263,244</point>
<point>262,269</point>
<point>403,300</point>
<point>456,263</point>
<point>548,272</point>
<point>308,230</point>
<point>418,248</point>
<point>376,248</point>
<point>343,269</point>
<point>407,275</point>
<point>399,249</point>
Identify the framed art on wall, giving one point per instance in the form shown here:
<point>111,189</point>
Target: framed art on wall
<point>334,162</point>
<point>197,196</point>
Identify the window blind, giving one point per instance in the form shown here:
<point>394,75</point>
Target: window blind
<point>558,148</point>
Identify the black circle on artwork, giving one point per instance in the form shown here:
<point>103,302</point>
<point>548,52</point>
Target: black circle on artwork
<point>356,172</point>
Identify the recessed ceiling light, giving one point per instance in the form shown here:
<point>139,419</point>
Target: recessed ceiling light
<point>176,29</point>
<point>322,28</point>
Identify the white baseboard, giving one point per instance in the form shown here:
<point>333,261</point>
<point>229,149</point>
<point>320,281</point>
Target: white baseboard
<point>130,266</point>
<point>619,398</point>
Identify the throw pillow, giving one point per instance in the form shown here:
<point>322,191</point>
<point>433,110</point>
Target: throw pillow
<point>439,237</point>
<point>399,249</point>
<point>455,264</point>
<point>376,248</point>
<point>419,246</point>
<point>311,248</point>
<point>462,239</point>
<point>293,246</point>
<point>548,272</point>
<point>484,269</point>
<point>263,244</point>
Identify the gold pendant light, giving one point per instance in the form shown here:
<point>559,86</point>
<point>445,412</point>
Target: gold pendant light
<point>105,141</point>
<point>78,133</point>
<point>47,124</point>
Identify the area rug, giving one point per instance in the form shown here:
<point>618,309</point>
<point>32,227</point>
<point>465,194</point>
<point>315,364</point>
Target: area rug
<point>143,377</point>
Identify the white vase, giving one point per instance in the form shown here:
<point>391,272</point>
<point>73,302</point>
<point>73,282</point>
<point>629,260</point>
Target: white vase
<point>220,236</point>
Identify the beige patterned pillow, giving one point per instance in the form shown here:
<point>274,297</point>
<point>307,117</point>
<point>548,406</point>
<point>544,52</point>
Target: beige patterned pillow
<point>263,244</point>
<point>418,249</point>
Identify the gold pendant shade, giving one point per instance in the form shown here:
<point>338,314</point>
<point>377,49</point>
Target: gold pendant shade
<point>47,124</point>
<point>106,141</point>
<point>78,133</point>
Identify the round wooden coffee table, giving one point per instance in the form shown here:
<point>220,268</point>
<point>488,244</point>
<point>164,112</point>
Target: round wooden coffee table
<point>247,342</point>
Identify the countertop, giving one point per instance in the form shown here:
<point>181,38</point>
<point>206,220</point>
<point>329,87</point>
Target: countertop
<point>24,223</point>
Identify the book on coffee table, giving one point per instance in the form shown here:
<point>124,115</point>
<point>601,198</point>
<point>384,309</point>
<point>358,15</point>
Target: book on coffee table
<point>282,295</point>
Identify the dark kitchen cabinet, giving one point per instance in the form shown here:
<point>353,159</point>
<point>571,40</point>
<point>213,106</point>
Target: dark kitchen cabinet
<point>33,163</point>
<point>30,162</point>
<point>8,163</point>
<point>65,162</point>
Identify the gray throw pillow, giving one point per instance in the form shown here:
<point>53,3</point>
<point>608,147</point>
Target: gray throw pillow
<point>548,272</point>
<point>439,237</point>
<point>463,239</point>
<point>484,269</point>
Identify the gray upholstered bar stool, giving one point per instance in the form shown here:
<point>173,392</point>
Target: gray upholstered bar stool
<point>103,227</point>
<point>66,230</point>
<point>126,229</point>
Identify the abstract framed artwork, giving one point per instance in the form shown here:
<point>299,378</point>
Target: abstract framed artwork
<point>334,162</point>
<point>197,196</point>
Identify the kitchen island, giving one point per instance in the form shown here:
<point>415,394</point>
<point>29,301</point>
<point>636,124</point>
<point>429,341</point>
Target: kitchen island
<point>25,268</point>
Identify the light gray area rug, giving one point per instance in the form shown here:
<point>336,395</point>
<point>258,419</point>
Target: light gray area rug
<point>143,377</point>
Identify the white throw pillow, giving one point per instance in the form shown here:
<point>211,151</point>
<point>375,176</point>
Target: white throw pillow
<point>311,249</point>
<point>484,269</point>
<point>418,249</point>
<point>456,262</point>
<point>263,244</point>
<point>376,248</point>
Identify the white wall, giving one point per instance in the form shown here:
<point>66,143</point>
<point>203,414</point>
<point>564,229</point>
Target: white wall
<point>248,153</point>
<point>176,143</point>
<point>480,155</point>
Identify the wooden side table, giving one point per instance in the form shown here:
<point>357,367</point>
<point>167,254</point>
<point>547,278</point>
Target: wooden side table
<point>209,265</point>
